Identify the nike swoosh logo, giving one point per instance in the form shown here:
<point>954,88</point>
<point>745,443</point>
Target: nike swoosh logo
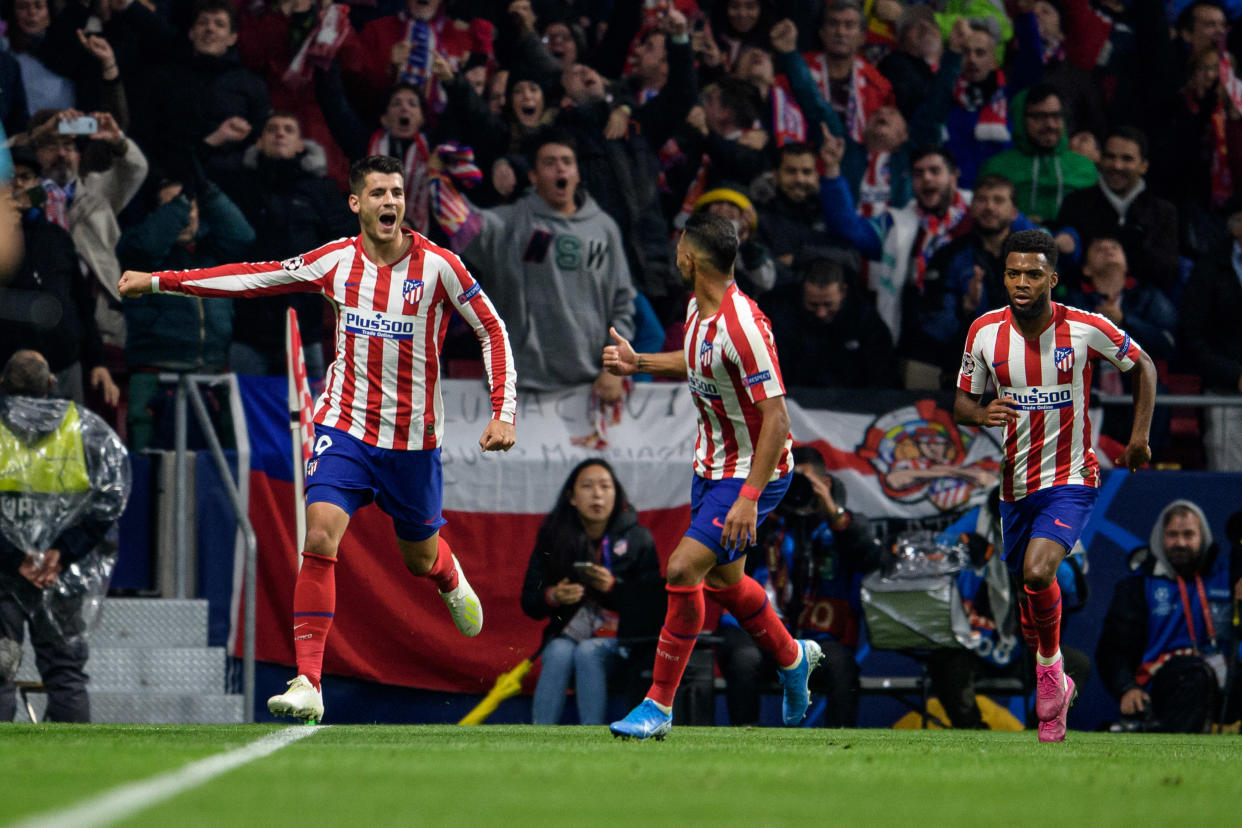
<point>999,364</point>
<point>352,284</point>
<point>716,522</point>
<point>298,626</point>
<point>1058,522</point>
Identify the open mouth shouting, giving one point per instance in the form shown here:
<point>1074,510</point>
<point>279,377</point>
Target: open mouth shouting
<point>388,218</point>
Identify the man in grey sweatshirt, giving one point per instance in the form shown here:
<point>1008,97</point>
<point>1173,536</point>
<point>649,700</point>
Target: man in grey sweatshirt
<point>554,266</point>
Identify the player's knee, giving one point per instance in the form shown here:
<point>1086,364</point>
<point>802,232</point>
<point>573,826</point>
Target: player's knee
<point>321,542</point>
<point>683,573</point>
<point>1039,576</point>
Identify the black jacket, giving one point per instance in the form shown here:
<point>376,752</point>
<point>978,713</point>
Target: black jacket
<point>293,209</point>
<point>1149,236</point>
<point>49,306</point>
<point>638,597</point>
<point>187,100</point>
<point>1208,335</point>
<point>853,351</point>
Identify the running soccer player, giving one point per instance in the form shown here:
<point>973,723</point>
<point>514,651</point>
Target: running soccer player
<point>1039,354</point>
<point>378,422</point>
<point>742,465</point>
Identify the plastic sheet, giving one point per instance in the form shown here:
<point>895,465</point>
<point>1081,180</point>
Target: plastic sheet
<point>913,600</point>
<point>51,483</point>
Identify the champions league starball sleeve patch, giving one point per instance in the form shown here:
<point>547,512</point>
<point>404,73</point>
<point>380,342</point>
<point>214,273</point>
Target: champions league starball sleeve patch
<point>968,365</point>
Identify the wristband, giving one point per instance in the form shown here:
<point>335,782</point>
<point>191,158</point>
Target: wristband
<point>750,492</point>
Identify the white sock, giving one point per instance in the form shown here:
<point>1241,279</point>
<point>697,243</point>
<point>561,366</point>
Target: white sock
<point>666,710</point>
<point>1048,662</point>
<point>796,661</point>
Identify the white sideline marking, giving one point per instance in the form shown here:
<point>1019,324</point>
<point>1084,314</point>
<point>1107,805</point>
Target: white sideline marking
<point>123,802</point>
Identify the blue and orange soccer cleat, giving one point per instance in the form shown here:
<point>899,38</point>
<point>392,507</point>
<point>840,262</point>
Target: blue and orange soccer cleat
<point>647,721</point>
<point>797,697</point>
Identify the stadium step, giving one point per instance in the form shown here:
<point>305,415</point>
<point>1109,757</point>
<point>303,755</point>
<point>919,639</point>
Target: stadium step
<point>150,663</point>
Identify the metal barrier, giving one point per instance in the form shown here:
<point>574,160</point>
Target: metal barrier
<point>187,390</point>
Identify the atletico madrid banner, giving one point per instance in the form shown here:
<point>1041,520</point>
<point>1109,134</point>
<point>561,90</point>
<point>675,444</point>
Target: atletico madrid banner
<point>902,458</point>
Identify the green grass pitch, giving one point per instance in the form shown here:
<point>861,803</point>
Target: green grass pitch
<point>539,776</point>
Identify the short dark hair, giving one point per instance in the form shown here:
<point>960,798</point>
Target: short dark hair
<point>715,236</point>
<point>992,181</point>
<point>1030,241</point>
<point>793,148</point>
<point>363,167</point>
<point>809,455</point>
<point>395,88</point>
<point>26,374</point>
<point>205,6</point>
<point>824,272</point>
<point>1130,133</point>
<point>1039,93</point>
<point>934,149</point>
<point>549,135</point>
<point>1186,20</point>
<point>740,98</point>
<point>834,6</point>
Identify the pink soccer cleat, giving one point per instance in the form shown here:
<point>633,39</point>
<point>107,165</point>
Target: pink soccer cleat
<point>1053,730</point>
<point>1050,690</point>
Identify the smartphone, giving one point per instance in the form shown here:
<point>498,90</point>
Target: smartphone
<point>583,566</point>
<point>83,125</point>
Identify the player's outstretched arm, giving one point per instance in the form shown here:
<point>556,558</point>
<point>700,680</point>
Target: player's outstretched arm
<point>968,410</point>
<point>620,359</point>
<point>1137,452</point>
<point>498,436</point>
<point>134,283</point>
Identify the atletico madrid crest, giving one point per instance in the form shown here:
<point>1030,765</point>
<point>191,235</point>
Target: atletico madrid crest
<point>412,290</point>
<point>1064,358</point>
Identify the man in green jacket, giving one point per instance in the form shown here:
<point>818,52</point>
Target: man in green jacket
<point>1041,165</point>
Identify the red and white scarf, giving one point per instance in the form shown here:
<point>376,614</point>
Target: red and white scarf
<point>416,180</point>
<point>320,46</point>
<point>855,116</point>
<point>993,122</point>
<point>935,232</point>
<point>876,188</point>
<point>788,123</point>
<point>1222,176</point>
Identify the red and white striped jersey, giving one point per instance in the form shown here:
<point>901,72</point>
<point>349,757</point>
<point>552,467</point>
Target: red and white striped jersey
<point>1050,380</point>
<point>383,386</point>
<point>731,361</point>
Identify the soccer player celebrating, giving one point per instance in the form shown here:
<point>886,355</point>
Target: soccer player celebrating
<point>742,467</point>
<point>378,422</point>
<point>1038,354</point>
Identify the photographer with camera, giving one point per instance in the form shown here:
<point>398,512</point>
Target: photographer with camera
<point>815,556</point>
<point>595,575</point>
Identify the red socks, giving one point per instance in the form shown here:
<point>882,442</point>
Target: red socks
<point>682,624</point>
<point>314,601</point>
<point>749,604</point>
<point>1046,617</point>
<point>1027,624</point>
<point>443,572</point>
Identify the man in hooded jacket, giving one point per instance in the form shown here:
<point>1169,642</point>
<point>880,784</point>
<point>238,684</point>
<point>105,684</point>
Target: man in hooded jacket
<point>1042,167</point>
<point>1165,640</point>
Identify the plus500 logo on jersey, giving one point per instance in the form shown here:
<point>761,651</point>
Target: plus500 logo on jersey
<point>1027,398</point>
<point>375,323</point>
<point>703,387</point>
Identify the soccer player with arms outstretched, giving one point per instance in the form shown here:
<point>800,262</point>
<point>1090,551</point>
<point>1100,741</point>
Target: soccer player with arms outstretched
<point>1039,355</point>
<point>378,422</point>
<point>742,465</point>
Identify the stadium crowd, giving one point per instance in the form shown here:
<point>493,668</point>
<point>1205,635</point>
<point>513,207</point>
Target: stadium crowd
<point>873,156</point>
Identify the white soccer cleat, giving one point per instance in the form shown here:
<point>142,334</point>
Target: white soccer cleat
<point>463,605</point>
<point>301,701</point>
